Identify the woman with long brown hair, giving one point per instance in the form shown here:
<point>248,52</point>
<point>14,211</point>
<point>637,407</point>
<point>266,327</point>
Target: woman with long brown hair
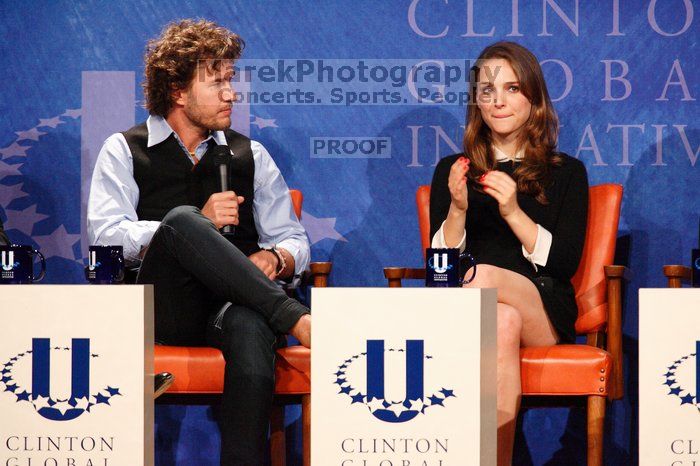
<point>520,207</point>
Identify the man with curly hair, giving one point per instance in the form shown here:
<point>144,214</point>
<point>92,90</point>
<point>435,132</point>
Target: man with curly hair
<point>155,190</point>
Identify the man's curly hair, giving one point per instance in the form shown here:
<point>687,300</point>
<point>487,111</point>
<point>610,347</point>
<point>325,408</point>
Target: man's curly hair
<point>171,60</point>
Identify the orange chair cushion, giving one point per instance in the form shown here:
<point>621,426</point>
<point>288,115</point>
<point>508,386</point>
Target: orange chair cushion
<point>565,370</point>
<point>200,370</point>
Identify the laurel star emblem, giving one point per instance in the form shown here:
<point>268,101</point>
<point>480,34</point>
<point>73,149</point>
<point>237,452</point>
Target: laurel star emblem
<point>41,402</point>
<point>31,134</point>
<point>397,409</point>
<point>82,403</point>
<point>14,150</point>
<point>320,228</point>
<point>417,405</point>
<point>50,122</point>
<point>62,407</point>
<point>375,404</point>
<point>263,123</point>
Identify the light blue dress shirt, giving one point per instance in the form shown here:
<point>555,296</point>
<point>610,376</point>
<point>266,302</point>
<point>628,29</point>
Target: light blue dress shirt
<point>114,195</point>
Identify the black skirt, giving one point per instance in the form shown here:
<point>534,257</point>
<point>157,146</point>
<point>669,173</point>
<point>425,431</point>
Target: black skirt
<point>560,305</point>
<point>558,297</point>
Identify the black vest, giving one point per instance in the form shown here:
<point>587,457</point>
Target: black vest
<point>167,179</point>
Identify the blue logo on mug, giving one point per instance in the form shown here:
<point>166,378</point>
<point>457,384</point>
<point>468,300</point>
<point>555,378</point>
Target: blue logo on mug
<point>105,265</point>
<point>414,403</point>
<point>17,264</point>
<point>8,261</point>
<point>442,267</point>
<point>93,263</point>
<point>439,262</point>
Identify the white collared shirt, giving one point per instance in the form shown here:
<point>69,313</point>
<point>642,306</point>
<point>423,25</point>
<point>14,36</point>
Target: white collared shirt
<point>114,196</point>
<point>503,157</point>
<point>543,243</point>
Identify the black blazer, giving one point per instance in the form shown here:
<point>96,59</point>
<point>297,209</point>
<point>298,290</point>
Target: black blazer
<point>3,237</point>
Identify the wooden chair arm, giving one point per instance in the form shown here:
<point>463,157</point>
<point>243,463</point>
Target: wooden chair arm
<point>618,271</point>
<point>615,274</point>
<point>319,272</point>
<point>414,273</point>
<point>394,275</point>
<point>676,275</point>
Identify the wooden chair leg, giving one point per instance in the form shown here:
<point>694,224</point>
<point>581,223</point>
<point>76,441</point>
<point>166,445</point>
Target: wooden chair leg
<point>278,450</point>
<point>596,425</point>
<point>306,429</point>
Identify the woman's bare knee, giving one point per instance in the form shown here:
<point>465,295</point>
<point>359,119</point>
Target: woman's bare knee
<point>509,326</point>
<point>486,276</point>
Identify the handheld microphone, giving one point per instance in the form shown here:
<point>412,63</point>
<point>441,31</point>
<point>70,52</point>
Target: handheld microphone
<point>222,157</point>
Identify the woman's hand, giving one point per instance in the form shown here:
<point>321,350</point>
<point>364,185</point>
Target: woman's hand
<point>503,188</point>
<point>457,182</point>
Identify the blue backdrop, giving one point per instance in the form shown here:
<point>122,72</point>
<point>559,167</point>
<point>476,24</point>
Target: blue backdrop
<point>623,75</point>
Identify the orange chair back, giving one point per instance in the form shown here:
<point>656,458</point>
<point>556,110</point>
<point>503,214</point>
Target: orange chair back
<point>423,205</point>
<point>589,282</point>
<point>604,203</point>
<point>297,201</point>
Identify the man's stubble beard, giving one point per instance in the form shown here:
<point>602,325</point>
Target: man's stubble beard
<point>209,124</point>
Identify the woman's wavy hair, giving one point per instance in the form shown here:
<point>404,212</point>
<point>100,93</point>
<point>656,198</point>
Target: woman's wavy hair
<point>538,138</point>
<point>172,59</point>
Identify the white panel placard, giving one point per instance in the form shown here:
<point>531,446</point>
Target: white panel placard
<point>403,376</point>
<point>76,375</point>
<point>669,377</point>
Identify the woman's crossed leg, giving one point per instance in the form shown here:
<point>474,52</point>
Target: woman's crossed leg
<point>521,322</point>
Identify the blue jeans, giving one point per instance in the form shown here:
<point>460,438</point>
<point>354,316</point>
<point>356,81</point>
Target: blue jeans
<point>195,272</point>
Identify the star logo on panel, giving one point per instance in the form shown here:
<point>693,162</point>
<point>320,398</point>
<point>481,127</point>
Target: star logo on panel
<point>682,379</point>
<point>26,377</point>
<point>349,375</point>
